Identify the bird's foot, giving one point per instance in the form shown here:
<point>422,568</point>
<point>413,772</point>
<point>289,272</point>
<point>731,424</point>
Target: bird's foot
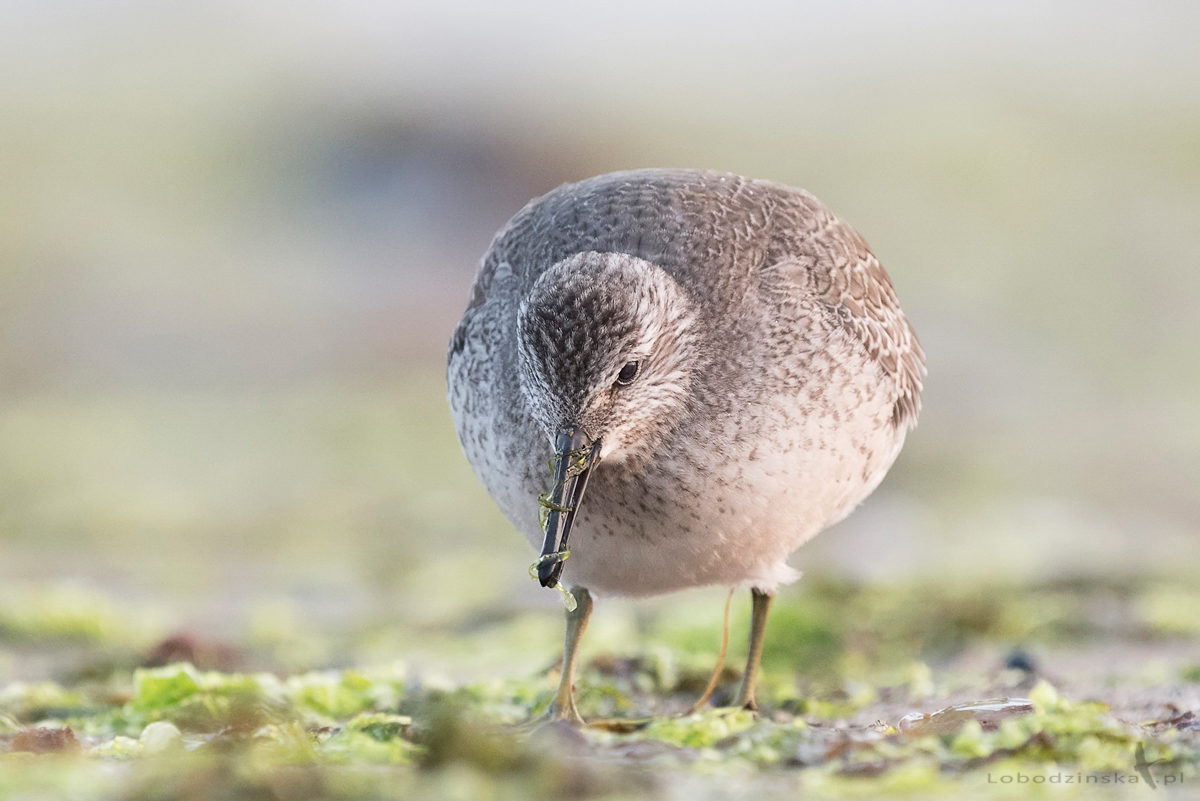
<point>564,713</point>
<point>746,697</point>
<point>568,714</point>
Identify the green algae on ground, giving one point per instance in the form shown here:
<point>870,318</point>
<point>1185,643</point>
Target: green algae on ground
<point>332,720</point>
<point>700,729</point>
<point>845,729</point>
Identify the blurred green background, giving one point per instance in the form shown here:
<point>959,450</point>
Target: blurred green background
<point>235,238</point>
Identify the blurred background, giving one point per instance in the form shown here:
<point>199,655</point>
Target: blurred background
<point>235,239</point>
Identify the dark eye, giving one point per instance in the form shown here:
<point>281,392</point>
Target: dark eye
<point>628,373</point>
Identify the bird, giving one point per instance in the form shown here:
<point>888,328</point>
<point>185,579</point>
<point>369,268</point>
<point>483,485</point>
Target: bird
<point>671,378</point>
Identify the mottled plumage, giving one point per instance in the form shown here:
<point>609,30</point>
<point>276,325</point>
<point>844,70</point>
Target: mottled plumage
<point>776,373</point>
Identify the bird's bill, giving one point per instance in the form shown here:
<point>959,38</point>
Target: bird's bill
<point>574,456</point>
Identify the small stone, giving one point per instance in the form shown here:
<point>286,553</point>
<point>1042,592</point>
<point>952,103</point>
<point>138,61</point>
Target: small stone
<point>161,737</point>
<point>1020,660</point>
<point>46,741</point>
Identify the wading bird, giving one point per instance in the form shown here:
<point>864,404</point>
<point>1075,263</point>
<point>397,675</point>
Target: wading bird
<point>717,367</point>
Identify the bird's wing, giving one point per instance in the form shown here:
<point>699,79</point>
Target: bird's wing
<point>832,262</point>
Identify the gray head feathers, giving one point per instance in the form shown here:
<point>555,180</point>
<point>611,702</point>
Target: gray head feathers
<point>586,319</point>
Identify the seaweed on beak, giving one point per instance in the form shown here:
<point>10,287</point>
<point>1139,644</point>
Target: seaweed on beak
<point>575,456</point>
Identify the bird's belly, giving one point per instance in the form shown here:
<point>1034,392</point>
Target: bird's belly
<point>737,524</point>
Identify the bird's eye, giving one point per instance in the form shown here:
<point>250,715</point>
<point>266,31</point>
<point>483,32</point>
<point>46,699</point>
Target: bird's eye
<point>628,373</point>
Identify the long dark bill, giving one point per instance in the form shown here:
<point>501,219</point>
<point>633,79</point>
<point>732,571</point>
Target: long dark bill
<point>574,455</point>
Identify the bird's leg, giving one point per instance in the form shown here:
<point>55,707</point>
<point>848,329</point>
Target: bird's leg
<point>758,627</point>
<point>719,668</point>
<point>563,705</point>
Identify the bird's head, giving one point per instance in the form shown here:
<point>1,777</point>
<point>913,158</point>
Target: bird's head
<point>608,343</point>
